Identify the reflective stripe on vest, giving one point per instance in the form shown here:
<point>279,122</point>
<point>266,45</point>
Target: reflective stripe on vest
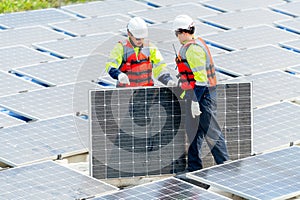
<point>186,73</point>
<point>138,68</point>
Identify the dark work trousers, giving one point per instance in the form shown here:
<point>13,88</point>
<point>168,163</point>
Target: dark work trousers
<point>205,126</point>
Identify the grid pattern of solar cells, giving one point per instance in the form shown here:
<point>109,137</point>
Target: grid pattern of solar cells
<point>139,132</point>
<point>165,14</point>
<point>12,84</point>
<point>271,87</point>
<point>170,188</point>
<point>19,56</point>
<point>255,60</point>
<point>81,46</point>
<point>272,175</point>
<point>6,121</point>
<point>51,102</point>
<point>28,35</point>
<point>238,39</point>
<point>102,8</point>
<point>48,180</point>
<point>34,17</point>
<point>111,23</point>
<point>43,140</point>
<point>231,5</point>
<point>275,126</point>
<point>292,8</point>
<point>245,18</point>
<point>86,68</point>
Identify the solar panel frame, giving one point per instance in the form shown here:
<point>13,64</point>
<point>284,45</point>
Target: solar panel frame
<point>34,17</point>
<point>168,14</point>
<point>273,175</point>
<point>261,59</point>
<point>28,35</point>
<point>289,8</point>
<point>94,25</point>
<point>11,84</point>
<point>266,89</point>
<point>238,39</point>
<point>19,56</point>
<point>7,121</point>
<point>49,180</point>
<point>67,70</point>
<point>102,8</point>
<point>167,188</point>
<point>51,102</point>
<point>44,140</point>
<point>245,18</point>
<point>290,25</point>
<point>231,5</point>
<point>271,122</point>
<point>89,45</point>
<point>293,45</point>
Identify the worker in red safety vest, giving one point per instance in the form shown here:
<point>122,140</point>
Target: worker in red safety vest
<point>135,61</point>
<point>198,80</point>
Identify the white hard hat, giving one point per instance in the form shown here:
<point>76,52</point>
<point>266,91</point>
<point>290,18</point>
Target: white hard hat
<point>138,27</point>
<point>183,22</point>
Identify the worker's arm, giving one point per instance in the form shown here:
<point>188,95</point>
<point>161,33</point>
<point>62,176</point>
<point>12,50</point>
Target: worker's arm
<point>115,61</point>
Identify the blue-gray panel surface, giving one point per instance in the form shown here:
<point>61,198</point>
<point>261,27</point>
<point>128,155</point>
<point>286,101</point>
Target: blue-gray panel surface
<point>86,68</point>
<point>28,35</point>
<point>289,8</point>
<point>260,35</point>
<point>292,25</point>
<point>34,17</point>
<point>51,102</point>
<point>271,87</point>
<point>20,56</point>
<point>275,126</point>
<point>272,175</point>
<point>231,5</point>
<point>11,84</point>
<point>111,23</point>
<point>244,18</point>
<point>166,14</point>
<point>255,60</point>
<point>102,8</point>
<point>169,188</point>
<point>81,46</point>
<point>7,121</point>
<point>43,140</point>
<point>48,181</point>
<point>293,45</point>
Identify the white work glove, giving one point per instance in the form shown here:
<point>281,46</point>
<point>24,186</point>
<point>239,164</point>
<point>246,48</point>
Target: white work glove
<point>171,83</point>
<point>123,78</point>
<point>195,109</point>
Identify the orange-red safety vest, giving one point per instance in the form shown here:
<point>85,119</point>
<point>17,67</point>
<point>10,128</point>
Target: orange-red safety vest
<point>138,68</point>
<point>186,74</point>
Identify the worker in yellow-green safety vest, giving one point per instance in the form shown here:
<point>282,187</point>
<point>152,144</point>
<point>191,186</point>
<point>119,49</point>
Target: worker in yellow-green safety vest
<point>135,61</point>
<point>198,80</point>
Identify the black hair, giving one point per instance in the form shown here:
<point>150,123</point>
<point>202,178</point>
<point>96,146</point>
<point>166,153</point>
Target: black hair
<point>191,30</point>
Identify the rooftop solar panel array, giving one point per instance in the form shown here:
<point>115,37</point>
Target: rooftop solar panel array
<point>272,175</point>
<point>64,46</point>
<point>48,180</point>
